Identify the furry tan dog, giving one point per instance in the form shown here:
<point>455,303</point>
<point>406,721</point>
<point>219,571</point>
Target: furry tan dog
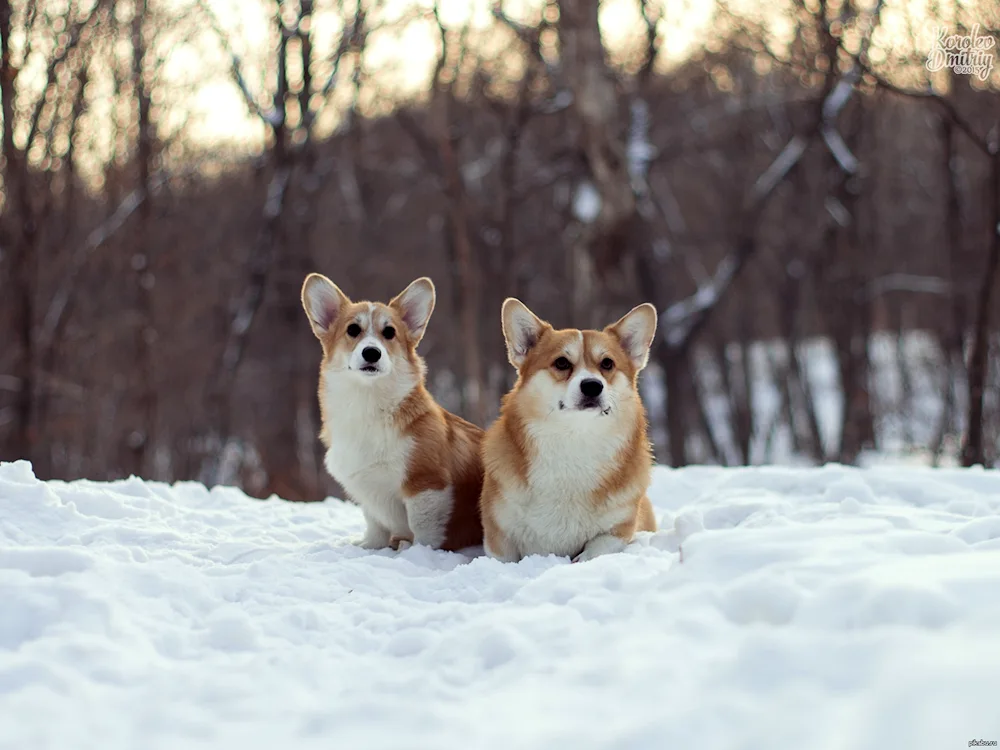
<point>568,462</point>
<point>414,468</point>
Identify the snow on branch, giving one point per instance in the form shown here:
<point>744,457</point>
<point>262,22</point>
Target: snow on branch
<point>838,211</point>
<point>838,97</point>
<point>678,319</point>
<point>840,150</point>
<point>907,282</point>
<point>639,151</point>
<point>779,168</point>
<point>277,190</point>
<point>835,101</point>
<point>681,318</point>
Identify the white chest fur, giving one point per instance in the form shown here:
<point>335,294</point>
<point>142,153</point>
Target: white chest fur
<point>367,454</point>
<point>557,513</point>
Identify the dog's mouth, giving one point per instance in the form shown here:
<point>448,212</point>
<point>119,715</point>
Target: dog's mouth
<point>588,404</point>
<point>370,369</point>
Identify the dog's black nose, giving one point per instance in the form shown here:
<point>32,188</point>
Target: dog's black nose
<point>371,354</point>
<point>591,388</point>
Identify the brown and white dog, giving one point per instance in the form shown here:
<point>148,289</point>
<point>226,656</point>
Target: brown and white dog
<point>414,469</point>
<point>568,462</point>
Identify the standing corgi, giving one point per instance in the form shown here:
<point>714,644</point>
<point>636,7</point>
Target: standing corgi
<point>414,469</point>
<point>568,462</point>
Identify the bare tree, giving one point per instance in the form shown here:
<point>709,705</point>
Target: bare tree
<point>974,449</point>
<point>23,214</point>
<point>290,118</point>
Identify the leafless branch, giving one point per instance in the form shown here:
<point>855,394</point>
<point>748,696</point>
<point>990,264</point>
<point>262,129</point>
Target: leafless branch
<point>531,38</point>
<point>652,13</point>
<point>62,299</point>
<point>947,107</point>
<point>907,282</point>
<point>684,318</point>
<point>74,36</point>
<point>271,117</point>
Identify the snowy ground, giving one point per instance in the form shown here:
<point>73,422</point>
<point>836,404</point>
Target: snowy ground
<point>814,608</point>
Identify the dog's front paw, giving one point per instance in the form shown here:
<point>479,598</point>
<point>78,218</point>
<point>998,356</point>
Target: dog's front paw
<point>400,543</point>
<point>372,541</point>
<point>605,544</point>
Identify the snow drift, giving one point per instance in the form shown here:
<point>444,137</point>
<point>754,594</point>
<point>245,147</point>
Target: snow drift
<point>819,608</point>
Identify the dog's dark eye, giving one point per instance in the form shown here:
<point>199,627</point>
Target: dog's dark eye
<point>353,330</point>
<point>389,332</point>
<point>607,363</point>
<point>562,364</point>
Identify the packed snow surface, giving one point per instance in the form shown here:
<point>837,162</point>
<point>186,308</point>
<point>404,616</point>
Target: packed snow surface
<point>777,608</point>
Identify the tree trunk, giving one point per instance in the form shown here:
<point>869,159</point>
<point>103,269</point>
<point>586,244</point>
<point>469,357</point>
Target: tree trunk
<point>141,439</point>
<point>21,231</point>
<point>465,266</point>
<point>595,103</point>
<point>974,450</point>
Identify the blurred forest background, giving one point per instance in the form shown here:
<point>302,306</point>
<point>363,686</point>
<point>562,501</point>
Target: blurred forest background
<point>812,208</point>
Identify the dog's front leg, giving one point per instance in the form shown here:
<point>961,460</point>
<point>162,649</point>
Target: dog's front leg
<point>500,548</point>
<point>376,535</point>
<point>427,514</point>
<point>602,544</point>
<point>613,540</point>
<point>495,542</point>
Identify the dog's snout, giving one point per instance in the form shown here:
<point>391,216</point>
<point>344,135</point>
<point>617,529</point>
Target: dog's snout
<point>371,354</point>
<point>591,388</point>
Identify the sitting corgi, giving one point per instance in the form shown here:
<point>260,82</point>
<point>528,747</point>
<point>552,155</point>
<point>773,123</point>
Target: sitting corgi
<point>568,462</point>
<point>414,469</point>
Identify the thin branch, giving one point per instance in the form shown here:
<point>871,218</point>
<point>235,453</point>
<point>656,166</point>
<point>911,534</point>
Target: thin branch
<point>271,117</point>
<point>778,169</point>
<point>685,318</point>
<point>347,37</point>
<point>425,145</point>
<point>944,103</point>
<point>73,39</point>
<point>247,309</point>
<point>841,94</point>
<point>61,300</point>
<point>651,16</point>
<point>908,282</point>
<point>531,37</point>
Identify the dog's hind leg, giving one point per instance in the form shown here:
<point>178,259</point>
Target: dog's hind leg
<point>427,513</point>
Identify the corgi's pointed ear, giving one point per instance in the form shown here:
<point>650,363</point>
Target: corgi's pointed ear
<point>635,331</point>
<point>415,305</point>
<point>522,329</point>
<point>322,301</point>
